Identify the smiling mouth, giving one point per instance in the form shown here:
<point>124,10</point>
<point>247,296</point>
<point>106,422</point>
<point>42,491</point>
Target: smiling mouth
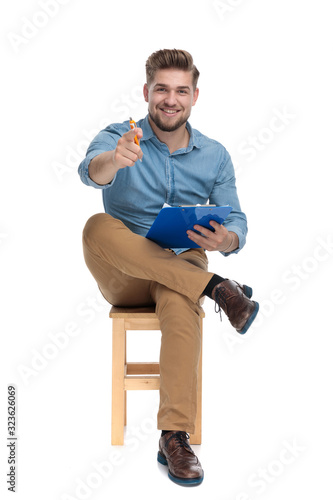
<point>170,112</point>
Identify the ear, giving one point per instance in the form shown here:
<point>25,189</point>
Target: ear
<point>195,96</point>
<point>145,92</point>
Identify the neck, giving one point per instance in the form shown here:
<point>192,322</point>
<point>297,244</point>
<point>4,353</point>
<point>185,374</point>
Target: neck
<point>176,139</point>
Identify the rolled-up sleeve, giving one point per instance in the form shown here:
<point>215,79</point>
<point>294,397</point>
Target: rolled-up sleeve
<point>104,141</point>
<point>225,193</point>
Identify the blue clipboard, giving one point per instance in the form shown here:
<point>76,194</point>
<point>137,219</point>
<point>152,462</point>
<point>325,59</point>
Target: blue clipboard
<point>170,226</point>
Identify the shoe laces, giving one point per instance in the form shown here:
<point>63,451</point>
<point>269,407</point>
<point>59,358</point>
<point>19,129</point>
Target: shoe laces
<point>180,437</point>
<point>218,310</point>
<point>222,295</point>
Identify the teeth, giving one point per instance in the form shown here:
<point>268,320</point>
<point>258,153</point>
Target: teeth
<point>169,111</point>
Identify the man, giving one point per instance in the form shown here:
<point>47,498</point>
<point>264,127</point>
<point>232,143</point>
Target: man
<point>178,166</point>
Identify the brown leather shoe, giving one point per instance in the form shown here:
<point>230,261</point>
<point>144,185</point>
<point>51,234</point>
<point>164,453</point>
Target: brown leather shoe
<point>234,300</point>
<point>175,452</point>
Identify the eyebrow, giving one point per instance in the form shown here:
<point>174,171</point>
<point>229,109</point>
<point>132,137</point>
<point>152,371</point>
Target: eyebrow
<point>165,85</point>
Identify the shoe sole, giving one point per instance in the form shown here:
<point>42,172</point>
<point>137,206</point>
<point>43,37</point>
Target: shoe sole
<point>247,291</point>
<point>178,480</point>
<point>250,320</point>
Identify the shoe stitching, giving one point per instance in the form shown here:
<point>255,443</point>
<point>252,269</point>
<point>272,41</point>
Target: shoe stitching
<point>180,437</point>
<point>224,294</point>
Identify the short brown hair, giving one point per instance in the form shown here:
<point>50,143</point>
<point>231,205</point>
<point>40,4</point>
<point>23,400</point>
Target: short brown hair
<point>171,58</point>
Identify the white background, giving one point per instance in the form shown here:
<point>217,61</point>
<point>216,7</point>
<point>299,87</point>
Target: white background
<point>65,75</point>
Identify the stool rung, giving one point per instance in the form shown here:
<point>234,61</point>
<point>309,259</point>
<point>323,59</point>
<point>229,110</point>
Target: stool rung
<point>142,324</point>
<point>142,368</point>
<point>137,383</point>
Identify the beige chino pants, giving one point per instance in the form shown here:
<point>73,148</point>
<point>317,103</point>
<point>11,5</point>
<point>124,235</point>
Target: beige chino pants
<point>133,271</point>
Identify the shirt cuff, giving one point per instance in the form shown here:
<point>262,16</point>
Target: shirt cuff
<point>84,171</point>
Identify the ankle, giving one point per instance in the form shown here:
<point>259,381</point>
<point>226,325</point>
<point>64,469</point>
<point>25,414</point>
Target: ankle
<point>215,280</point>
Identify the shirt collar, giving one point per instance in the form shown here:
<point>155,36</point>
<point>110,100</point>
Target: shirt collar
<point>148,133</point>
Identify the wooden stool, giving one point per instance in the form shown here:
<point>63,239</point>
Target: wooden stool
<point>138,376</point>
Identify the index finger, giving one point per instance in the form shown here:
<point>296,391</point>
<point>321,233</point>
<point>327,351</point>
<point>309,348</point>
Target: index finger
<point>204,230</point>
<point>215,224</point>
<point>132,133</point>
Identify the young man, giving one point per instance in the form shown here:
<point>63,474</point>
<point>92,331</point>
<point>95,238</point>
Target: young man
<point>178,166</point>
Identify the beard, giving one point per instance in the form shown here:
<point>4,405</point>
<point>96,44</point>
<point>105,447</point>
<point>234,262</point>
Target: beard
<point>163,126</point>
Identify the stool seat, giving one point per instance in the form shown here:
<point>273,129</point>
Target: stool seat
<point>138,376</point>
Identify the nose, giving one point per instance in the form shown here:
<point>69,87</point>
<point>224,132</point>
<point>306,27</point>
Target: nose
<point>171,98</point>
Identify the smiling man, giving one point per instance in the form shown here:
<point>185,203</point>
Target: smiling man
<point>178,166</point>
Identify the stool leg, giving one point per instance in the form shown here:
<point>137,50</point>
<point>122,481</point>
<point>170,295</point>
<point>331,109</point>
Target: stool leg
<point>118,373</point>
<point>196,437</point>
<point>125,392</point>
<point>125,408</point>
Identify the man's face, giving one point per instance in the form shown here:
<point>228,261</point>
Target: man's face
<point>170,97</point>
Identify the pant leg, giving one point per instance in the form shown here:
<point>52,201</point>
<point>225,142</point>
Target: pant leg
<point>118,288</point>
<point>180,352</point>
<point>108,245</point>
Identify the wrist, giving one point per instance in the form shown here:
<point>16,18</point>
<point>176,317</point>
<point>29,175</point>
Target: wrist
<point>231,242</point>
<point>102,168</point>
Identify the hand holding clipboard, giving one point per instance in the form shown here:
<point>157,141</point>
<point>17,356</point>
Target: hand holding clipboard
<point>171,226</point>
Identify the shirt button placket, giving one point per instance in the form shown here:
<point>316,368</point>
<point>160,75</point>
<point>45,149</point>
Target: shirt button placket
<point>170,180</point>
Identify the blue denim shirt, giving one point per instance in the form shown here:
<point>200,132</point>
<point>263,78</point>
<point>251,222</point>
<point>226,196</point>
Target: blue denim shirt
<point>203,172</point>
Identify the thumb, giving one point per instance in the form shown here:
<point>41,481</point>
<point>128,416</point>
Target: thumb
<point>139,132</point>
